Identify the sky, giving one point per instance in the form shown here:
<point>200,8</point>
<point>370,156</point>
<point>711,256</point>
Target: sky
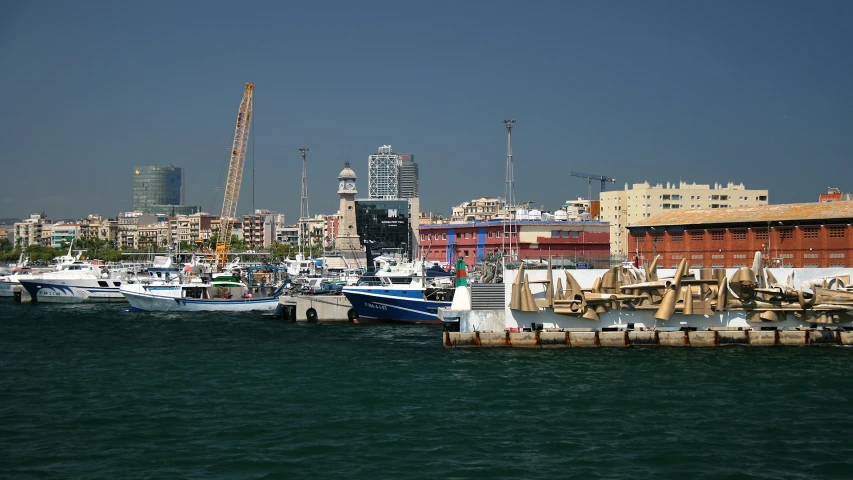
<point>752,92</point>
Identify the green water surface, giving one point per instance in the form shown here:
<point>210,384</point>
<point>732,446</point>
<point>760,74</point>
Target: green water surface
<point>92,391</point>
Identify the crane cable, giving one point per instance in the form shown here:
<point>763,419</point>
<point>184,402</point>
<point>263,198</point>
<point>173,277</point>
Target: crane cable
<point>219,181</point>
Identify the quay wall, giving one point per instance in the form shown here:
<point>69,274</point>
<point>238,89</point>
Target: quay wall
<point>315,308</point>
<point>649,338</point>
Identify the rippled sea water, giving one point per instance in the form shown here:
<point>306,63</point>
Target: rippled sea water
<point>96,392</point>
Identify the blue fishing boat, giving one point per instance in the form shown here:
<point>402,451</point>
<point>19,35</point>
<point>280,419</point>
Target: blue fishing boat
<point>406,299</point>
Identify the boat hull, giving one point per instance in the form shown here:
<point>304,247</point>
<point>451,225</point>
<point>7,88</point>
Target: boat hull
<point>375,308</point>
<point>6,289</point>
<point>67,291</point>
<point>165,300</point>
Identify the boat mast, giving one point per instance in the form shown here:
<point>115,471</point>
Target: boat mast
<point>305,225</point>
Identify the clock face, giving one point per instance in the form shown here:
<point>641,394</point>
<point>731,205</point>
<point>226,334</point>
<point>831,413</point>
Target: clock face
<point>350,185</point>
<point>341,185</point>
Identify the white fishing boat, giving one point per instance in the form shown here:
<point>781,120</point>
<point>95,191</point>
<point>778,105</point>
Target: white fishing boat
<point>223,294</point>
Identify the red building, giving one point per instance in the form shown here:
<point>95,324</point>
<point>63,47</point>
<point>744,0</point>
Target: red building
<point>333,228</point>
<point>578,242</point>
<point>793,235</point>
<point>835,195</point>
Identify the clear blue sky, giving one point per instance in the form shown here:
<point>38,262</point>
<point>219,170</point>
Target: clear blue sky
<point>757,92</point>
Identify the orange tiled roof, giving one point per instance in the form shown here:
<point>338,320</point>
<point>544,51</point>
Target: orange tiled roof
<point>763,213</point>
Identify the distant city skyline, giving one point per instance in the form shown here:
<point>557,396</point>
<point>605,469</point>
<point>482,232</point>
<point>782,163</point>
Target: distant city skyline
<point>751,92</point>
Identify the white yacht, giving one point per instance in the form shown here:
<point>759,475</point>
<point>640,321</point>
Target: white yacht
<point>22,270</point>
<point>78,282</point>
<point>85,282</point>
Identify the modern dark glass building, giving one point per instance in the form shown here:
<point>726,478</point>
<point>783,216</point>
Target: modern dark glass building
<point>157,187</point>
<point>384,225</point>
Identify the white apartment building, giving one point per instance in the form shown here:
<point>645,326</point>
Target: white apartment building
<point>642,201</point>
<point>128,226</point>
<point>288,235</point>
<point>29,232</point>
<point>478,210</point>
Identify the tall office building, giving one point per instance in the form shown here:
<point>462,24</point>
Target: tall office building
<point>391,175</point>
<point>408,176</point>
<point>383,174</point>
<point>156,187</point>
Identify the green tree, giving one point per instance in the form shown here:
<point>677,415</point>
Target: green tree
<point>39,254</point>
<point>280,251</point>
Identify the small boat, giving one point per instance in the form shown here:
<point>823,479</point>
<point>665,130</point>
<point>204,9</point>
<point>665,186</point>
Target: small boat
<point>222,294</point>
<point>319,286</point>
<point>10,282</point>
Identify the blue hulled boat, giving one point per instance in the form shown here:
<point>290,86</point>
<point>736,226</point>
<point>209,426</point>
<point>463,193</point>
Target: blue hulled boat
<point>406,299</point>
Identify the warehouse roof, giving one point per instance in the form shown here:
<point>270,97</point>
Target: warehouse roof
<point>762,213</point>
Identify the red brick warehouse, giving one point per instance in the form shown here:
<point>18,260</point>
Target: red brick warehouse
<point>794,235</point>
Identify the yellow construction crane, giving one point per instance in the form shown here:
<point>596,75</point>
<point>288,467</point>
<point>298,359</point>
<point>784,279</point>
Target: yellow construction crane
<point>235,177</point>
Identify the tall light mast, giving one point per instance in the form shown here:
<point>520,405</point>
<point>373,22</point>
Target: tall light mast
<point>303,209</point>
<point>235,176</point>
<point>510,228</point>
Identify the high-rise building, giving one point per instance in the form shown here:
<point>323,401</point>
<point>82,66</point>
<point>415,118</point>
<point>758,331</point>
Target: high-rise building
<point>408,182</point>
<point>156,188</point>
<point>391,175</point>
<point>383,174</point>
<point>623,208</point>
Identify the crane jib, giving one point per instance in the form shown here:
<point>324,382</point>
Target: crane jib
<point>235,175</point>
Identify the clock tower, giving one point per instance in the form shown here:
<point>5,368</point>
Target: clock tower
<point>347,241</point>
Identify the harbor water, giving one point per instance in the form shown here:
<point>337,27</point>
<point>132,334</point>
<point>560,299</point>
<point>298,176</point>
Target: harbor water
<point>93,391</point>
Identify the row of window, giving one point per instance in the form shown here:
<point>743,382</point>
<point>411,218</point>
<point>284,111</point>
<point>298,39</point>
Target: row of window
<point>759,198</point>
<point>835,231</point>
<point>429,236</point>
<point>741,256</point>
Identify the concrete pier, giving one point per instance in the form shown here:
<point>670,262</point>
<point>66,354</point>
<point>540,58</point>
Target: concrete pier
<point>21,295</point>
<point>650,338</point>
<point>315,308</point>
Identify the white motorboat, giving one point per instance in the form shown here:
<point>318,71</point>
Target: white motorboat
<point>223,294</point>
<point>10,283</point>
<point>82,281</point>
